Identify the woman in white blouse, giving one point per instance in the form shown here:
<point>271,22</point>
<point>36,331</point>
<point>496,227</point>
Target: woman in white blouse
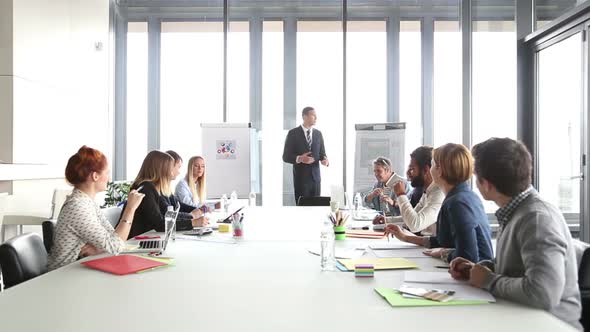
<point>82,229</point>
<point>191,189</point>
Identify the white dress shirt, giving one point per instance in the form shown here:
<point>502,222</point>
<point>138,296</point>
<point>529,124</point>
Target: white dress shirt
<point>297,160</point>
<point>421,218</point>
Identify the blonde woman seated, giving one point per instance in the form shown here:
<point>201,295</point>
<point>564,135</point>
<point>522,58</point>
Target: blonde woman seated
<point>82,229</point>
<point>191,189</point>
<point>156,173</point>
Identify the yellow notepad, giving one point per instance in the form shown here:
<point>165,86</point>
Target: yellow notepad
<point>168,261</point>
<point>379,263</point>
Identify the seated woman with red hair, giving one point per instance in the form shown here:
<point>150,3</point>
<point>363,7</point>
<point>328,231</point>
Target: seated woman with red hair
<point>82,229</point>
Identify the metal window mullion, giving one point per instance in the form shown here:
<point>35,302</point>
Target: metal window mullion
<point>344,84</point>
<point>256,72</point>
<point>290,73</point>
<point>393,67</point>
<point>154,37</point>
<point>427,80</point>
<point>466,56</point>
<point>225,30</point>
<point>120,117</point>
<point>584,217</point>
<point>524,74</point>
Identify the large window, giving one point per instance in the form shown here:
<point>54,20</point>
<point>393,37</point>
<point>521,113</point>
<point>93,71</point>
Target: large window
<point>447,107</point>
<point>319,84</point>
<point>191,83</point>
<point>238,72</point>
<point>493,80</point>
<point>137,72</point>
<point>410,89</point>
<point>560,107</point>
<point>402,61</point>
<point>272,135</point>
<point>366,83</point>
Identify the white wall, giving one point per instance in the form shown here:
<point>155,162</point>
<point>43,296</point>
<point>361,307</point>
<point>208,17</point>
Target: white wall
<point>60,88</point>
<point>5,82</point>
<point>61,82</point>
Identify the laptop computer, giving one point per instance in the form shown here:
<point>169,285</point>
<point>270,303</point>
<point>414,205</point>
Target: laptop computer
<point>158,245</point>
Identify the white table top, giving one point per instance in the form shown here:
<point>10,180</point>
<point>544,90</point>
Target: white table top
<point>267,281</point>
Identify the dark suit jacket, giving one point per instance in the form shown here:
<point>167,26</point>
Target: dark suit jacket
<point>295,145</point>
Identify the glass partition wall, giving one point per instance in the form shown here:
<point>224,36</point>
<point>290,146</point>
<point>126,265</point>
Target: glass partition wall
<point>560,110</point>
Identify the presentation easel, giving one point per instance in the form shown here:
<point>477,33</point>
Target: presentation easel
<point>233,163</point>
<point>374,140</point>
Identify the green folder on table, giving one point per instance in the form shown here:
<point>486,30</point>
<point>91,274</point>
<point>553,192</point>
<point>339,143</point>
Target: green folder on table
<point>398,300</point>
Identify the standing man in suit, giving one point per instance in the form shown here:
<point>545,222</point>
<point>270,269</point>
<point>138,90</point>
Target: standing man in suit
<point>304,148</point>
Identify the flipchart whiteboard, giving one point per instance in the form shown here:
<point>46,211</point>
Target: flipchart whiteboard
<point>374,140</point>
<point>231,155</point>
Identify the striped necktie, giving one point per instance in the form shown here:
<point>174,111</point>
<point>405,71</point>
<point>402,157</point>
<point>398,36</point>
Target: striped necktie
<point>308,137</point>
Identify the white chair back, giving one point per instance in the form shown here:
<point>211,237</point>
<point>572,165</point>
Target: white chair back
<point>58,200</point>
<point>113,214</point>
<point>3,203</point>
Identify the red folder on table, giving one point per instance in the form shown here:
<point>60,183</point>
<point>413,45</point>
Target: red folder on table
<point>123,264</point>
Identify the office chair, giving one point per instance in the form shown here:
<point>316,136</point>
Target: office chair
<point>584,283</point>
<point>48,228</point>
<point>314,201</point>
<point>113,214</point>
<point>22,258</point>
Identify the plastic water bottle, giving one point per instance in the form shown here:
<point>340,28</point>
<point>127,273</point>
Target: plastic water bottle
<point>327,260</point>
<point>358,202</point>
<point>233,198</point>
<point>252,199</point>
<point>224,203</point>
<point>347,204</point>
<point>169,222</point>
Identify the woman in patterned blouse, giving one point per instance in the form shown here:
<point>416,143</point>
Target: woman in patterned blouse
<point>82,229</point>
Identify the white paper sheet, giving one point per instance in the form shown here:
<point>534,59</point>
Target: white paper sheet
<point>464,292</point>
<point>408,253</point>
<point>383,245</point>
<point>444,281</point>
<point>340,252</point>
<point>431,277</point>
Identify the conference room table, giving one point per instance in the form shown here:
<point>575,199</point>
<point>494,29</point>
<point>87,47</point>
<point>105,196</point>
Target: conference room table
<point>265,281</point>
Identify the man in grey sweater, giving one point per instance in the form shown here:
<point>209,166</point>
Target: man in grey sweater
<point>535,262</point>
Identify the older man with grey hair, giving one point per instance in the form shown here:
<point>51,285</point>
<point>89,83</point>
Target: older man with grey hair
<point>382,198</point>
